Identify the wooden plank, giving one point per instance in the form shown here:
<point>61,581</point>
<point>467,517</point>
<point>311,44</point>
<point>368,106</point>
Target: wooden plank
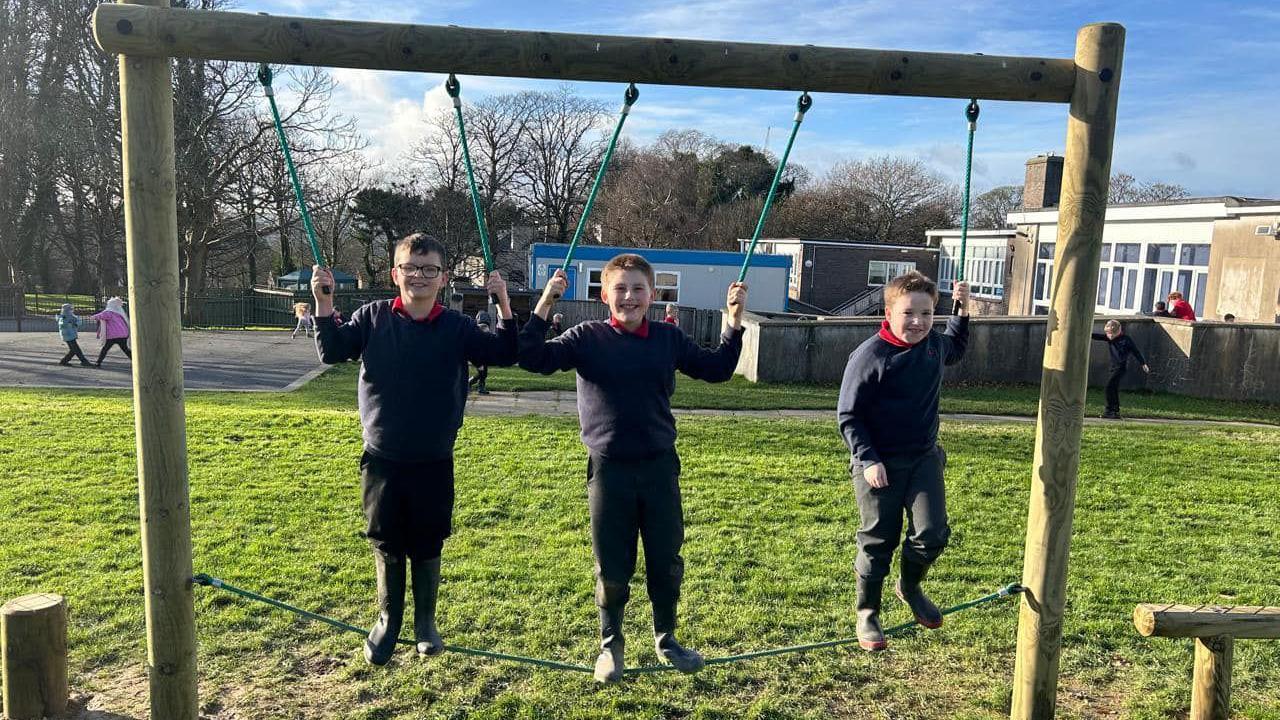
<point>151,229</point>
<point>33,634</point>
<point>1211,680</point>
<point>1256,623</point>
<point>134,30</point>
<point>1086,173</point>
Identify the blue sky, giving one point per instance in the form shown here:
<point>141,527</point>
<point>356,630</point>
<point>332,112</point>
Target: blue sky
<point>1197,105</point>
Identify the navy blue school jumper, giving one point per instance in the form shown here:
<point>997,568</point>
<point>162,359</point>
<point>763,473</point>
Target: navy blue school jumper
<point>412,392</point>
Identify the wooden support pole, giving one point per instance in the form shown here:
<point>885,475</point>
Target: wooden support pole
<point>1211,681</point>
<point>135,30</point>
<point>1257,623</point>
<point>33,634</point>
<point>151,241</point>
<point>1086,173</point>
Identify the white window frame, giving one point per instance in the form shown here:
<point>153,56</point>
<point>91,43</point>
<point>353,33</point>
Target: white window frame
<point>903,267</point>
<point>597,285</point>
<point>658,288</point>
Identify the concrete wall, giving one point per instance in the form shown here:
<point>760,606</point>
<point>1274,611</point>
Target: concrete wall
<point>1218,360</point>
<point>1244,271</point>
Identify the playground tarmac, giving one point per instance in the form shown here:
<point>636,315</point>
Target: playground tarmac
<point>256,361</point>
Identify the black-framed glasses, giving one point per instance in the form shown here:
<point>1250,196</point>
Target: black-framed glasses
<point>426,271</point>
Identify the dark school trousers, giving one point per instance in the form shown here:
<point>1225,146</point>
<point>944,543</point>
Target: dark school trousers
<point>73,350</point>
<point>1113,390</point>
<point>124,347</point>
<point>916,488</point>
<point>630,498</point>
<point>408,506</point>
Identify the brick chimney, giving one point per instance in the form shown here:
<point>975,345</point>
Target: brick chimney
<point>1044,182</point>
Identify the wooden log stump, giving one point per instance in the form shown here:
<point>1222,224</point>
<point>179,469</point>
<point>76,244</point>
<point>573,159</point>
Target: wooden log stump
<point>1211,682</point>
<point>33,634</point>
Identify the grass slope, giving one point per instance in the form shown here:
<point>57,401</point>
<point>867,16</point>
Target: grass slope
<point>1187,516</point>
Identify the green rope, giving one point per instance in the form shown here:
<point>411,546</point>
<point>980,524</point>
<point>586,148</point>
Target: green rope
<point>628,99</point>
<point>454,88</point>
<point>209,581</point>
<point>802,106</point>
<point>971,113</point>
<point>264,77</point>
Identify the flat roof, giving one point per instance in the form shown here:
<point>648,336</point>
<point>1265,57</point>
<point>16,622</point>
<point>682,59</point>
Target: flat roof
<point>659,255</point>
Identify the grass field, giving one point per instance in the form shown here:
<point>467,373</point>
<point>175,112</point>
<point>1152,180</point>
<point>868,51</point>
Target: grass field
<point>1187,516</point>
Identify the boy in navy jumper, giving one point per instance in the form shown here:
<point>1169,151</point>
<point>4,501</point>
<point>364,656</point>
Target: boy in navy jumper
<point>1121,347</point>
<point>888,415</point>
<point>412,390</point>
<point>626,374</point>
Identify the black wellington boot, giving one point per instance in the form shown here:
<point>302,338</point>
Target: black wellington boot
<point>611,662</point>
<point>870,634</point>
<point>426,586</point>
<point>664,642</point>
<point>381,643</point>
<point>909,592</point>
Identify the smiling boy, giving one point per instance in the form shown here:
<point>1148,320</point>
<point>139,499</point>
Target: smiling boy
<point>626,375</point>
<point>412,391</point>
<point>888,416</point>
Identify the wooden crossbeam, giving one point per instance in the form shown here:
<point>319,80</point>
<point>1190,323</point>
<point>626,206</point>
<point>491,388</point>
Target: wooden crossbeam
<point>138,30</point>
<point>1199,621</point>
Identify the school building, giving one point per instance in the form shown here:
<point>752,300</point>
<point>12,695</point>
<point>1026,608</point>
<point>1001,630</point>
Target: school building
<point>1222,253</point>
<point>690,278</point>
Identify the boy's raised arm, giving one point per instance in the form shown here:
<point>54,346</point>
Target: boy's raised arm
<point>499,349</point>
<point>536,353</point>
<point>334,343</point>
<point>717,365</point>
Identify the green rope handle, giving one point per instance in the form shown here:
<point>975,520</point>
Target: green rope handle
<point>628,99</point>
<point>209,581</point>
<point>971,114</point>
<point>802,106</point>
<point>454,88</point>
<point>264,77</point>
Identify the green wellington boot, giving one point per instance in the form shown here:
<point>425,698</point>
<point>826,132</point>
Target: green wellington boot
<point>426,586</point>
<point>908,591</point>
<point>381,643</point>
<point>870,634</point>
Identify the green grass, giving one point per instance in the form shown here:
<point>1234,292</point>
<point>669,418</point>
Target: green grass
<point>42,304</point>
<point>1187,516</point>
<point>739,394</point>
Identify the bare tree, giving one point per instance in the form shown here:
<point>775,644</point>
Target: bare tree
<point>894,189</point>
<point>990,210</point>
<point>1125,188</point>
<point>562,150</point>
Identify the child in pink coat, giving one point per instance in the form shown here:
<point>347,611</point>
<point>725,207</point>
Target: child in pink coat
<point>113,329</point>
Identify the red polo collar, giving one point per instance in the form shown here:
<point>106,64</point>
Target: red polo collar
<point>397,307</point>
<point>640,332</point>
<point>887,335</point>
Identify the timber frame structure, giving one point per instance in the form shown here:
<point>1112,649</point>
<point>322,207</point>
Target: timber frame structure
<point>147,33</point>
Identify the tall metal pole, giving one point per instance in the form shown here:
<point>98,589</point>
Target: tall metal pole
<point>1086,174</point>
<point>151,241</point>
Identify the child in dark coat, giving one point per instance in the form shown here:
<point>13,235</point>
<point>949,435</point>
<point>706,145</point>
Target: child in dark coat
<point>413,387</point>
<point>888,415</point>
<point>1122,348</point>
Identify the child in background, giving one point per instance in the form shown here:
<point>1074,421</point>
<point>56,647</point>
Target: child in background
<point>1121,347</point>
<point>888,415</point>
<point>113,328</point>
<point>1162,310</point>
<point>483,321</point>
<point>1180,308</point>
<point>673,315</point>
<point>306,323</point>
<point>69,329</point>
<point>557,325</point>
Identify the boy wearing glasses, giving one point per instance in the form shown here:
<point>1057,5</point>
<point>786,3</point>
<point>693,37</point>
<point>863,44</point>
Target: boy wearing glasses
<point>626,374</point>
<point>412,391</point>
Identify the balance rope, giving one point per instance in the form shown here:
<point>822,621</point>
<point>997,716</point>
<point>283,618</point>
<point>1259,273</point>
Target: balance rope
<point>454,88</point>
<point>970,114</point>
<point>802,106</point>
<point>209,581</point>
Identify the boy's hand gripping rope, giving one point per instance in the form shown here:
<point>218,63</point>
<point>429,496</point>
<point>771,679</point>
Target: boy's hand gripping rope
<point>209,581</point>
<point>628,99</point>
<point>802,106</point>
<point>454,88</point>
<point>264,77</point>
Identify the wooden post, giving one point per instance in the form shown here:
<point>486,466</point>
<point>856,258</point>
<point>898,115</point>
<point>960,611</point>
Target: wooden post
<point>1086,172</point>
<point>33,633</point>
<point>151,241</point>
<point>246,37</point>
<point>1211,682</point>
